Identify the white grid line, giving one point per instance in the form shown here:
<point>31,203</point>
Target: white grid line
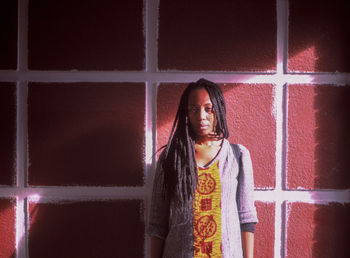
<point>339,79</point>
<point>21,156</point>
<point>282,39</point>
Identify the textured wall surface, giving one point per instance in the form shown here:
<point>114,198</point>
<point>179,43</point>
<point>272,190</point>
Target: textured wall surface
<point>89,91</point>
<point>7,227</point>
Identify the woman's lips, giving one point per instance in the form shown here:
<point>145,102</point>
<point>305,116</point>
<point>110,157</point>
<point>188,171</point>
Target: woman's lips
<point>203,126</point>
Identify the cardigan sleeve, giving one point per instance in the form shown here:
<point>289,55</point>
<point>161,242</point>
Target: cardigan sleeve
<point>245,188</point>
<point>160,208</point>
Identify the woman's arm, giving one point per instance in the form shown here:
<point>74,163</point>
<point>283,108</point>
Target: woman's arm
<point>156,247</point>
<point>248,244</point>
<point>245,202</point>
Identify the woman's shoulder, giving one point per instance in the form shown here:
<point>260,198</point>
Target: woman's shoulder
<point>238,147</point>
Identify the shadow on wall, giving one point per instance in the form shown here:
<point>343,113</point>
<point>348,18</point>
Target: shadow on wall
<point>332,166</point>
<point>86,229</point>
<point>99,157</point>
<point>332,163</point>
<point>332,227</point>
<point>318,42</point>
<point>318,36</point>
<point>86,134</point>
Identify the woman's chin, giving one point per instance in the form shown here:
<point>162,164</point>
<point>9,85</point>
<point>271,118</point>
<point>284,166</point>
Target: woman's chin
<point>204,133</point>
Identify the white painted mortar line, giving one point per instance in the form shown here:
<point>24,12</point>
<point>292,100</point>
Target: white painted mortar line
<point>282,30</point>
<point>282,39</point>
<point>21,129</point>
<point>308,196</point>
<point>75,191</point>
<point>150,134</point>
<point>151,54</point>
<point>141,76</point>
<point>21,161</point>
<point>278,102</point>
<point>283,7</point>
<point>151,34</point>
<point>61,199</point>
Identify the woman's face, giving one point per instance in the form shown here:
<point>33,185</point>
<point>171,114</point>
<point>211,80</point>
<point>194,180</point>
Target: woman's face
<point>201,112</point>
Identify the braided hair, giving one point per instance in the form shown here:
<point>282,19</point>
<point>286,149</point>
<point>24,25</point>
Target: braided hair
<point>179,163</point>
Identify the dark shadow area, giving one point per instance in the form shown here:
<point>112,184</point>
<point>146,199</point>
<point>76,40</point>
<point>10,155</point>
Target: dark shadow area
<point>217,36</point>
<point>331,234</point>
<point>332,166</point>
<point>332,106</point>
<point>332,226</point>
<point>8,28</point>
<point>86,134</point>
<point>103,35</point>
<point>7,133</point>
<point>325,26</point>
<point>87,229</point>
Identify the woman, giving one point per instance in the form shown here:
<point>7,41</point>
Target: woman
<point>202,201</point>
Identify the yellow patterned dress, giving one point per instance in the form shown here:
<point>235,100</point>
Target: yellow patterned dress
<point>207,213</point>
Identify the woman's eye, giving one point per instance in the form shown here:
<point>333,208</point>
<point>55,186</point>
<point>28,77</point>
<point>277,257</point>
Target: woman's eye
<point>193,109</point>
<point>209,110</point>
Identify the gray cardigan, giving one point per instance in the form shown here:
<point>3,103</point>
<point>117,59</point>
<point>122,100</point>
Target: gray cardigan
<point>175,224</point>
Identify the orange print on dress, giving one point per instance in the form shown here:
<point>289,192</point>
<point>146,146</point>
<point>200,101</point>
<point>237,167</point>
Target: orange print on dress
<point>206,226</point>
<point>206,184</point>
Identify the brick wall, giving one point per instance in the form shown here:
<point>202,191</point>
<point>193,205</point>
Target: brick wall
<point>88,92</point>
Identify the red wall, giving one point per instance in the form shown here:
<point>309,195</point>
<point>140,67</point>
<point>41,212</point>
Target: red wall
<point>88,92</point>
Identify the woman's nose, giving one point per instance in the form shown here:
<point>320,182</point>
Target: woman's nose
<point>202,113</point>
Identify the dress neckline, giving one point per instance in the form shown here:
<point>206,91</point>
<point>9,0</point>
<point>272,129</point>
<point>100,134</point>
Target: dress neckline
<point>216,157</point>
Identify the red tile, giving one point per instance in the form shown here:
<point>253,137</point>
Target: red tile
<point>249,117</point>
<point>7,132</point>
<point>251,122</point>
<point>316,230</point>
<point>318,139</point>
<point>319,36</point>
<point>225,36</point>
<point>86,35</point>
<point>86,134</point>
<point>264,230</point>
<point>7,228</point>
<point>87,229</point>
<point>8,28</point>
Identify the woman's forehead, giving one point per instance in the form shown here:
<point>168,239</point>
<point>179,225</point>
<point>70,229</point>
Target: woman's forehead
<point>199,97</point>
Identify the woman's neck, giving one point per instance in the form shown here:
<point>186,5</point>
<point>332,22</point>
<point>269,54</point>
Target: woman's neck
<point>208,140</point>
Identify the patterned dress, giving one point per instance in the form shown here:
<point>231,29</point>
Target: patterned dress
<point>209,225</point>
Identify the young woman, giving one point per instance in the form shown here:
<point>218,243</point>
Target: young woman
<point>202,201</point>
